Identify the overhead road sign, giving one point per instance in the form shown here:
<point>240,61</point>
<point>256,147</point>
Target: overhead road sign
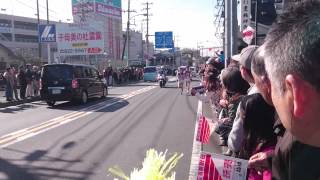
<point>164,40</point>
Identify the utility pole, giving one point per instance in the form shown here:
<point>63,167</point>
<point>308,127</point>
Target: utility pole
<point>227,30</point>
<point>48,44</point>
<point>256,23</point>
<point>127,39</point>
<point>147,35</point>
<point>128,34</point>
<point>230,31</point>
<point>39,43</point>
<point>142,52</point>
<point>234,26</point>
<point>176,42</point>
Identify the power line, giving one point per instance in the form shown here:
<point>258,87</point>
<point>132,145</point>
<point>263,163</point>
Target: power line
<point>31,7</point>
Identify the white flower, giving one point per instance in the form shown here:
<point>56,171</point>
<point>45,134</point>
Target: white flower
<point>154,167</point>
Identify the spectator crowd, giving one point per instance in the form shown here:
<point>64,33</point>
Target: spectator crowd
<point>25,78</point>
<point>267,100</point>
<point>24,82</point>
<point>122,75</point>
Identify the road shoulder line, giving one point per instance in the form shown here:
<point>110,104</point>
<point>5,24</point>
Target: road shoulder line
<point>196,148</point>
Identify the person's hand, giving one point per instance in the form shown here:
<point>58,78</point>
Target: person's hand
<point>223,120</point>
<point>259,161</point>
<point>223,103</point>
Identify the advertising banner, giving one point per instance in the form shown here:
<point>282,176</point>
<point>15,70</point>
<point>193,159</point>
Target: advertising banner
<point>245,14</point>
<point>219,167</point>
<point>112,3</point>
<point>108,7</point>
<point>104,7</point>
<point>79,6</point>
<point>248,34</point>
<point>81,39</point>
<point>203,133</point>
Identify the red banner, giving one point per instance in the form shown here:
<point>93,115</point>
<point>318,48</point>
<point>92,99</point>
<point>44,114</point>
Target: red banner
<point>203,133</point>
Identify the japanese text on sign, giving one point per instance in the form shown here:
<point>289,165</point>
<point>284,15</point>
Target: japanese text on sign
<point>219,167</point>
<point>81,39</point>
<point>245,13</point>
<point>69,37</point>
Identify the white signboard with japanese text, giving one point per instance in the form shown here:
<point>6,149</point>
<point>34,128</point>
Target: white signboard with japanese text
<point>218,167</point>
<point>109,8</point>
<point>82,39</point>
<point>245,18</point>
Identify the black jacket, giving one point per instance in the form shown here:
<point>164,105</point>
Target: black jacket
<point>294,160</point>
<point>22,78</point>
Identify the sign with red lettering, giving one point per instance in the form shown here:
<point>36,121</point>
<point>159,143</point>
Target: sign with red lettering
<point>84,39</point>
<point>94,50</point>
<point>219,167</point>
<point>248,34</point>
<point>203,133</point>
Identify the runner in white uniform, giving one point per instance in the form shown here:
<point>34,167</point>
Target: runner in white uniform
<point>180,76</point>
<point>187,76</point>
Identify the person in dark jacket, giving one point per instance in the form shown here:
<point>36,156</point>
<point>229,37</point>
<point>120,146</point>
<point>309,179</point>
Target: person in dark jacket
<point>286,72</point>
<point>23,82</point>
<point>29,77</point>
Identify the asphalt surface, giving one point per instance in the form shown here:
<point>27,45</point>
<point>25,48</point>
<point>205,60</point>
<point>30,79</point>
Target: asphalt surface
<point>82,142</point>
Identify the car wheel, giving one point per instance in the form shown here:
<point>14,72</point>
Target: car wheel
<point>51,103</point>
<point>104,92</point>
<point>84,97</point>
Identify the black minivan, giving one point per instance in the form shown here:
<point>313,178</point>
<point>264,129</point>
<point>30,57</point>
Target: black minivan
<point>69,82</point>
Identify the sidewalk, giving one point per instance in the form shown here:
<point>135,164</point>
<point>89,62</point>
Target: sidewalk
<point>4,103</point>
<point>212,147</point>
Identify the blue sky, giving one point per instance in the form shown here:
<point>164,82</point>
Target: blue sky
<point>190,20</point>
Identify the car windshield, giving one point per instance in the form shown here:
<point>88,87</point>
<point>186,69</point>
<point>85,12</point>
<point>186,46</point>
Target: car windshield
<point>150,70</point>
<point>57,72</point>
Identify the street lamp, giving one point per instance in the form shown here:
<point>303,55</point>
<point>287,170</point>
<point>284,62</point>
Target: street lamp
<point>127,40</point>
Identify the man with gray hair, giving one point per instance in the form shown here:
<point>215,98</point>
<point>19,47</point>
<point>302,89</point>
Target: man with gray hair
<point>285,70</point>
<point>293,64</point>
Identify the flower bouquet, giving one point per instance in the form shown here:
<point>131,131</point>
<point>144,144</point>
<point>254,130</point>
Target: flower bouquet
<point>154,167</point>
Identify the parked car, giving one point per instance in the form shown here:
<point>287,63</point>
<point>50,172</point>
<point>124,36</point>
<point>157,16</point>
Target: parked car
<point>150,73</point>
<point>67,82</point>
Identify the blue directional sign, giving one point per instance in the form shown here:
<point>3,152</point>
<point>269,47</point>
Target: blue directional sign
<point>47,33</point>
<point>164,39</point>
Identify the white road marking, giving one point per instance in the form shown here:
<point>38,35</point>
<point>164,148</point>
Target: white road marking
<point>196,148</point>
<point>29,132</point>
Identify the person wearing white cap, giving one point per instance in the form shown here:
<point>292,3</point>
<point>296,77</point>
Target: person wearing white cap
<point>236,135</point>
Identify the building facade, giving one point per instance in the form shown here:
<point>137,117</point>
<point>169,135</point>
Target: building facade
<point>107,12</point>
<point>20,35</point>
<point>138,48</point>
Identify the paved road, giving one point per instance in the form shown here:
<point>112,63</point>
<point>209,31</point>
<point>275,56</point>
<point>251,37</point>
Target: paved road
<point>82,142</point>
